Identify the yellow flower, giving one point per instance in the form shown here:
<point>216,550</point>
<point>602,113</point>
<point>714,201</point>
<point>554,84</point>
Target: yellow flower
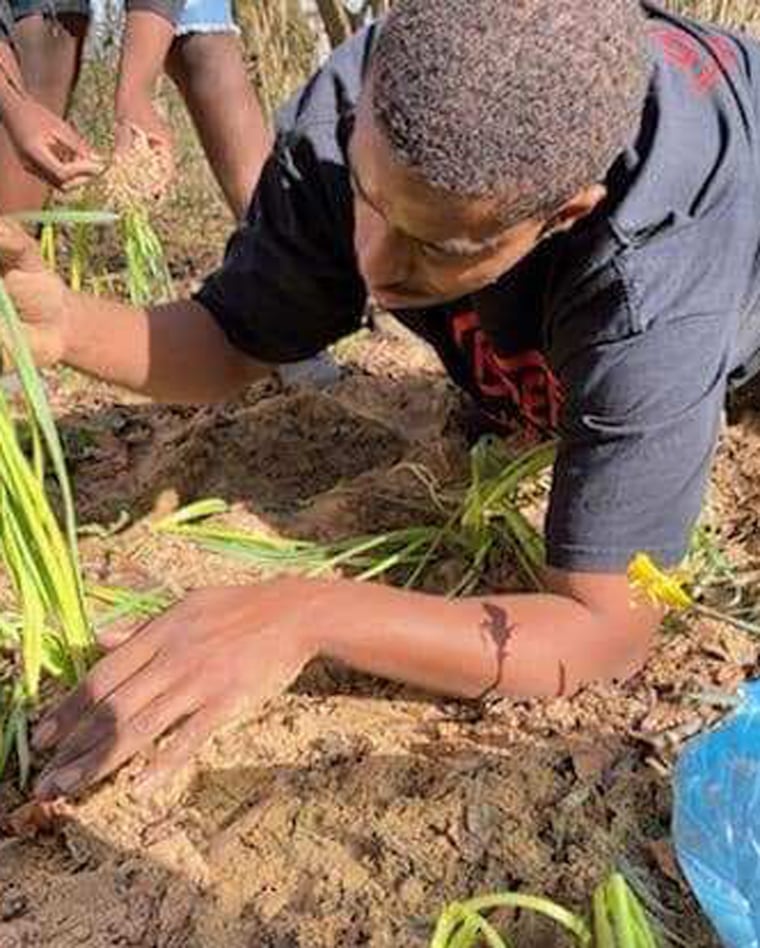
<point>661,589</point>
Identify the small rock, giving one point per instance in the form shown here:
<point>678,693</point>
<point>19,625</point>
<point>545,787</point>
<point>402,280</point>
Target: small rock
<point>13,904</point>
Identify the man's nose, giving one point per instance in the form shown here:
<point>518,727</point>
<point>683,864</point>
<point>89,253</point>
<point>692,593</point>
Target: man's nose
<point>382,253</point>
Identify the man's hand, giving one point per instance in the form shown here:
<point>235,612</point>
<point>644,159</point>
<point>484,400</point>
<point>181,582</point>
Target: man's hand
<point>139,116</point>
<point>140,113</point>
<point>214,658</point>
<point>41,297</point>
<point>147,38</point>
<point>223,652</point>
<point>49,147</point>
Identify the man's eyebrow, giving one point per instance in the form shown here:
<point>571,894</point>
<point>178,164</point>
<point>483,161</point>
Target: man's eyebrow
<point>456,246</point>
<point>356,182</point>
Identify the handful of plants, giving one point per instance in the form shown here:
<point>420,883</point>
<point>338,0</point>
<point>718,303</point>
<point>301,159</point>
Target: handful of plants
<point>478,520</point>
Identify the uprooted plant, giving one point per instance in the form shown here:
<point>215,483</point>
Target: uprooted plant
<point>478,521</point>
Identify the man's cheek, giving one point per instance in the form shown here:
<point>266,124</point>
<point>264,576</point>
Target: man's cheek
<point>463,279</point>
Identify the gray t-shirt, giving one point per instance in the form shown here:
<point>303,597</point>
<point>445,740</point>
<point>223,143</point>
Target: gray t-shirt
<point>621,336</point>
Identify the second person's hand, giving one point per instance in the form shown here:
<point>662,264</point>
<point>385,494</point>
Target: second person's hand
<point>139,116</point>
<point>49,147</point>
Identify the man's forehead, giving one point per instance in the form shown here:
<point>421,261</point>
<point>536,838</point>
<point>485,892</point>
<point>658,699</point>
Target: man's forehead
<point>408,202</point>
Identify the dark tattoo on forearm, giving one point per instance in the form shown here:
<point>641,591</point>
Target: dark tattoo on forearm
<point>497,626</point>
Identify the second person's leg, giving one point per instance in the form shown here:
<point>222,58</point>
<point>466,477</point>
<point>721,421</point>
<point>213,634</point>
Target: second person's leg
<point>206,62</point>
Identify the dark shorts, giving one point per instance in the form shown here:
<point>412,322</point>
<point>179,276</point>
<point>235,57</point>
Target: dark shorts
<point>48,8</point>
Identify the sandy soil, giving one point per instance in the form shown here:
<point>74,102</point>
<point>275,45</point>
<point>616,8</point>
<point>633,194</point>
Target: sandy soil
<point>353,809</point>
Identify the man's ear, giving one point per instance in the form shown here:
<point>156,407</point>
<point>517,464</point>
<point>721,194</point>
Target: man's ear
<point>574,210</point>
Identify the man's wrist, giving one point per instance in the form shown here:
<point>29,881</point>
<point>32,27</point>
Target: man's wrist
<point>12,91</point>
<point>132,99</point>
<point>70,305</point>
<point>319,611</point>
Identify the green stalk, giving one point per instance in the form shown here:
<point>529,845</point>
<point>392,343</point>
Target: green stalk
<point>47,246</point>
<point>43,564</point>
<point>644,935</point>
<point>123,603</point>
<point>482,926</point>
<point>448,922</point>
<point>58,572</point>
<point>148,277</point>
<point>604,936</point>
<point>62,215</point>
<point>198,510</point>
<point>80,253</point>
<point>467,934</point>
<point>568,920</point>
<point>620,911</point>
<point>40,413</point>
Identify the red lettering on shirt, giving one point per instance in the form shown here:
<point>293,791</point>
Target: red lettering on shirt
<point>706,61</point>
<point>521,381</point>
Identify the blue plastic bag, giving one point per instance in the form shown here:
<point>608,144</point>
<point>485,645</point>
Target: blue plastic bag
<point>716,822</point>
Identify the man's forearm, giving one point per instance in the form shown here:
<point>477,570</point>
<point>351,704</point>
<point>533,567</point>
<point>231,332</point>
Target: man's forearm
<point>524,645</point>
<point>12,90</point>
<point>147,39</point>
<point>173,353</point>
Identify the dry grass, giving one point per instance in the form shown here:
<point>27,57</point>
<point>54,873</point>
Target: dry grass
<point>281,48</point>
<point>744,14</point>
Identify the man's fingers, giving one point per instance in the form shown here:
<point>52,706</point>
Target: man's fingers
<point>109,674</point>
<point>74,183</point>
<point>117,633</point>
<point>81,168</point>
<point>183,744</point>
<point>123,137</point>
<point>66,170</point>
<point>17,248</point>
<point>101,746</point>
<point>70,145</point>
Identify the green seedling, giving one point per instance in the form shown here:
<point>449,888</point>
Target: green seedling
<point>482,518</point>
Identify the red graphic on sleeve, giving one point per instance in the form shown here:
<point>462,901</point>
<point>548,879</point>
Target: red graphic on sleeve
<point>706,61</point>
<point>520,384</point>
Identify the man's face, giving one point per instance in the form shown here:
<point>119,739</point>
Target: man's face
<point>416,245</point>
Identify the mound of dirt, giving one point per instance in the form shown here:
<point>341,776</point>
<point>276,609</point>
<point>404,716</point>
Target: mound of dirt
<point>354,809</point>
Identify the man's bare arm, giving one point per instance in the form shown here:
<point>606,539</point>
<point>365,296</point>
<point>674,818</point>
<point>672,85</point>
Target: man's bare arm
<point>223,652</point>
<point>523,645</point>
<point>46,144</point>
<point>173,353</point>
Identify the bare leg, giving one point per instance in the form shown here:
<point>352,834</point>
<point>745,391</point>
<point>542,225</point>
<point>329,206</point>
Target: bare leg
<point>50,53</point>
<point>209,71</point>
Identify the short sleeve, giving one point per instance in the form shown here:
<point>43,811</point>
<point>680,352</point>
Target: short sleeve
<point>168,9</point>
<point>639,428</point>
<point>289,285</point>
